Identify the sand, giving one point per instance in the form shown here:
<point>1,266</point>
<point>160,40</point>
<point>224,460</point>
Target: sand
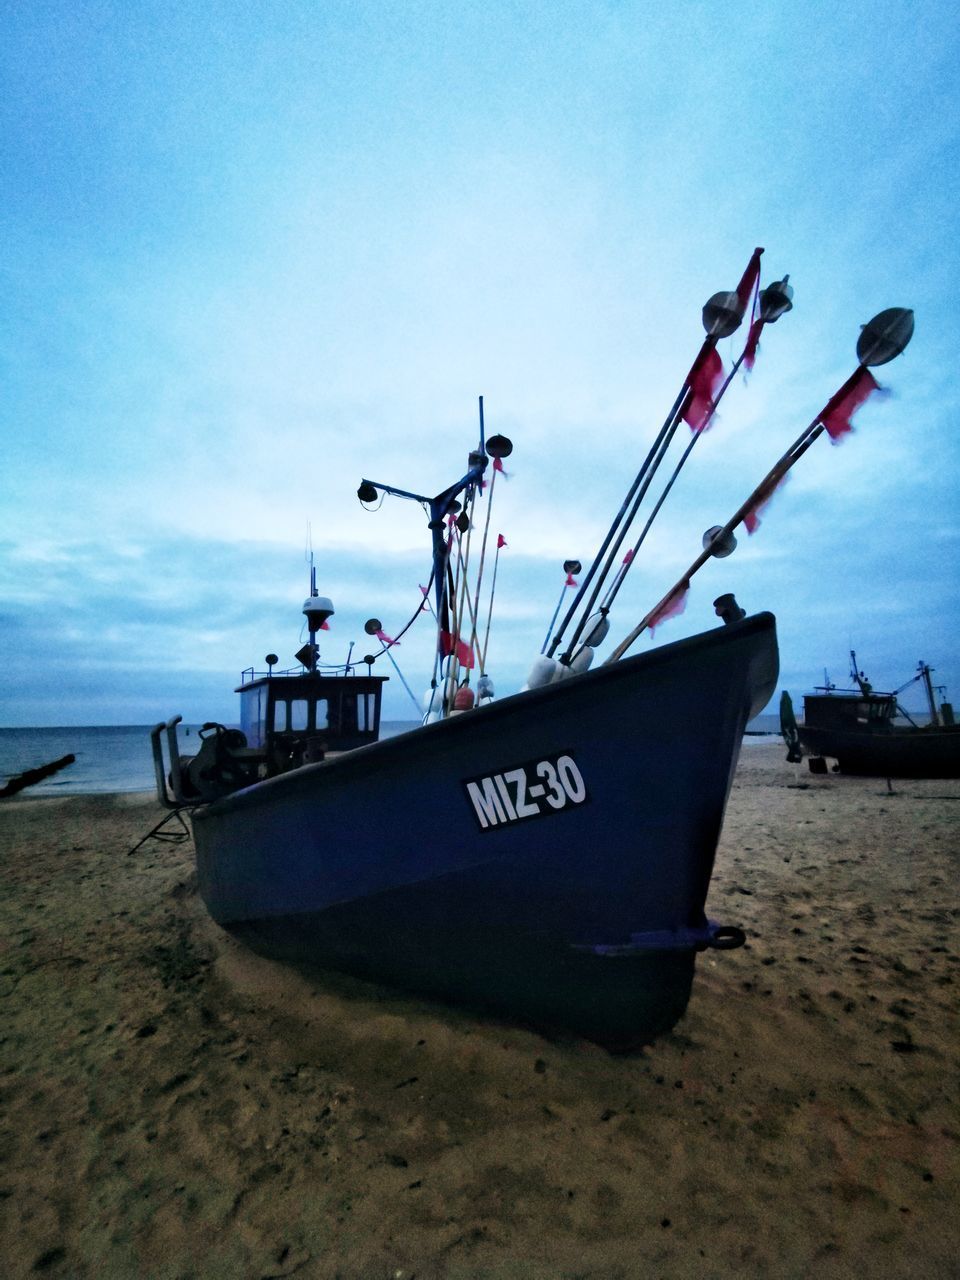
<point>173,1106</point>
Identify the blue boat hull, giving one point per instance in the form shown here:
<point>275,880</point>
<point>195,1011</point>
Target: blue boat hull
<point>547,856</point>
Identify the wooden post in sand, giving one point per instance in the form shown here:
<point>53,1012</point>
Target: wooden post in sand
<point>33,776</point>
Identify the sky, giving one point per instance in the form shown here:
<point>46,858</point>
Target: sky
<point>253,253</point>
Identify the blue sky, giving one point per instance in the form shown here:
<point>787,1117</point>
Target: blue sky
<point>251,253</point>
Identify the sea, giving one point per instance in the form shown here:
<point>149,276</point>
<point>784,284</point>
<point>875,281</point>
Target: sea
<point>113,758</point>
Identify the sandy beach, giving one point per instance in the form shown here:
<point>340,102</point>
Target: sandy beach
<point>173,1106</point>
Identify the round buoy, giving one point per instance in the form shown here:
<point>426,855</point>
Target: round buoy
<point>463,699</point>
<point>717,546</point>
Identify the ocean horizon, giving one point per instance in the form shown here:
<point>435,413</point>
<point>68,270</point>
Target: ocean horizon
<point>118,758</point>
<point>109,758</point>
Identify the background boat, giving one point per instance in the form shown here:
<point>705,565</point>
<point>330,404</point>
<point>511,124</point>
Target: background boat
<point>868,733</point>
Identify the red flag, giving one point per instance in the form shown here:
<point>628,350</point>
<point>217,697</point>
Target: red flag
<point>501,541</point>
<point>571,581</point>
<point>385,639</point>
<point>753,342</point>
<point>424,590</point>
<point>464,653</point>
<point>703,379</point>
<point>498,466</point>
<point>749,279</point>
<point>751,520</point>
<point>748,283</point>
<point>451,644</point>
<point>324,626</point>
<point>844,403</point>
<point>628,558</point>
<point>672,607</point>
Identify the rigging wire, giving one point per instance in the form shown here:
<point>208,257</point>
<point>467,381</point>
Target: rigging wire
<point>393,663</point>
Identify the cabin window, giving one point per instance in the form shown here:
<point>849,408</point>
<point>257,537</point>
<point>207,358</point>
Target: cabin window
<point>252,716</point>
<point>290,717</point>
<point>321,718</point>
<point>366,712</point>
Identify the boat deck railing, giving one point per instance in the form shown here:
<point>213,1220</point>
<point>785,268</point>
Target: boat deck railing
<point>248,675</point>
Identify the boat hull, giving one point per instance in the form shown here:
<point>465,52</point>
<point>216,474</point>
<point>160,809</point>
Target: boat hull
<point>896,753</point>
<point>546,857</point>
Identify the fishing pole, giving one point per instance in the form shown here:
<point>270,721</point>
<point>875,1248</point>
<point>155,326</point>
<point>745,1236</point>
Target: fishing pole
<point>722,316</point>
<point>463,525</point>
<point>880,341</point>
<point>501,543</point>
<point>774,301</point>
<point>570,567</point>
<point>588,576</point>
<point>497,447</point>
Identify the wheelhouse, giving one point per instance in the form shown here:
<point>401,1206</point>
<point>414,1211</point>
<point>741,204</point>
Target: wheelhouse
<point>309,715</point>
<point>849,710</point>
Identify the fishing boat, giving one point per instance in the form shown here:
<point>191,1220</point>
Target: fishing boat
<point>869,733</point>
<point>546,855</point>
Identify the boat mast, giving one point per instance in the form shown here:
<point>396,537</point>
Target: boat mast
<point>859,679</point>
<point>450,603</point>
<point>438,509</point>
<point>316,609</point>
<point>924,671</point>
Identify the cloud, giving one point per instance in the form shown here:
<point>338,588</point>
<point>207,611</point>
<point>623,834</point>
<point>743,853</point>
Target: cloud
<point>298,253</point>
